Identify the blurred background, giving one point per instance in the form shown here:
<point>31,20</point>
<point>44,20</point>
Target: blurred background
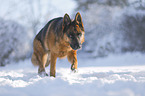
<point>111,26</point>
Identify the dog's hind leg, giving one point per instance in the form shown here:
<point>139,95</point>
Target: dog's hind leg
<point>41,69</point>
<point>37,60</point>
<point>48,60</point>
<point>47,63</point>
<point>39,57</point>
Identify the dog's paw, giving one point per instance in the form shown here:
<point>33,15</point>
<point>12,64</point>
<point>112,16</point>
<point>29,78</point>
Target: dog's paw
<point>42,74</point>
<point>75,70</point>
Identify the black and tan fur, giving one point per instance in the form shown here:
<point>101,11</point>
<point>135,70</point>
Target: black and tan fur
<point>59,38</point>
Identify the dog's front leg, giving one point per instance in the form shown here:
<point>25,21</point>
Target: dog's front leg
<point>53,64</point>
<point>72,58</point>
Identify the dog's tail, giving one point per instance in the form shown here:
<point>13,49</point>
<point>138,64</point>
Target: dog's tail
<point>34,60</point>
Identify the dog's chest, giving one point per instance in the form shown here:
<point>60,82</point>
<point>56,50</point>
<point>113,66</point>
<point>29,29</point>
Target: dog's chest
<point>63,51</point>
<point>62,54</point>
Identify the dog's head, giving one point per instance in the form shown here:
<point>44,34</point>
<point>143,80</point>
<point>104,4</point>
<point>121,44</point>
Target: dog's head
<point>73,31</point>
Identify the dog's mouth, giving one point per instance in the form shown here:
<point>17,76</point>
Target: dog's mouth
<point>76,47</point>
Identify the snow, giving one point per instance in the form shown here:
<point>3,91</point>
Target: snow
<point>115,75</point>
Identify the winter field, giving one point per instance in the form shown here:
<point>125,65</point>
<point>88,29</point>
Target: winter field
<point>112,27</point>
<point>116,75</point>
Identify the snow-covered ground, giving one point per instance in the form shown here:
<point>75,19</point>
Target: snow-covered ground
<point>116,75</point>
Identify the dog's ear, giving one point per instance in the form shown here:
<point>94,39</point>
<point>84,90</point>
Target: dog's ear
<point>78,20</point>
<point>66,20</point>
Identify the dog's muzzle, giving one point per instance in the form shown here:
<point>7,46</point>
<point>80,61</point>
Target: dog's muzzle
<point>76,46</point>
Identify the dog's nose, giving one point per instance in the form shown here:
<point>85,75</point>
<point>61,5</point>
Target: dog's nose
<point>77,47</point>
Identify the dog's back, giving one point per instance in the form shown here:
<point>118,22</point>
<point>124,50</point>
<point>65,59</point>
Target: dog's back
<point>52,25</point>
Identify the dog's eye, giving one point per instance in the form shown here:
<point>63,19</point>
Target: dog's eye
<point>70,36</point>
<point>79,34</point>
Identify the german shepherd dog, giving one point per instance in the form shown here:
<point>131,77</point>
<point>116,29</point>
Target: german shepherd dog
<point>60,37</point>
